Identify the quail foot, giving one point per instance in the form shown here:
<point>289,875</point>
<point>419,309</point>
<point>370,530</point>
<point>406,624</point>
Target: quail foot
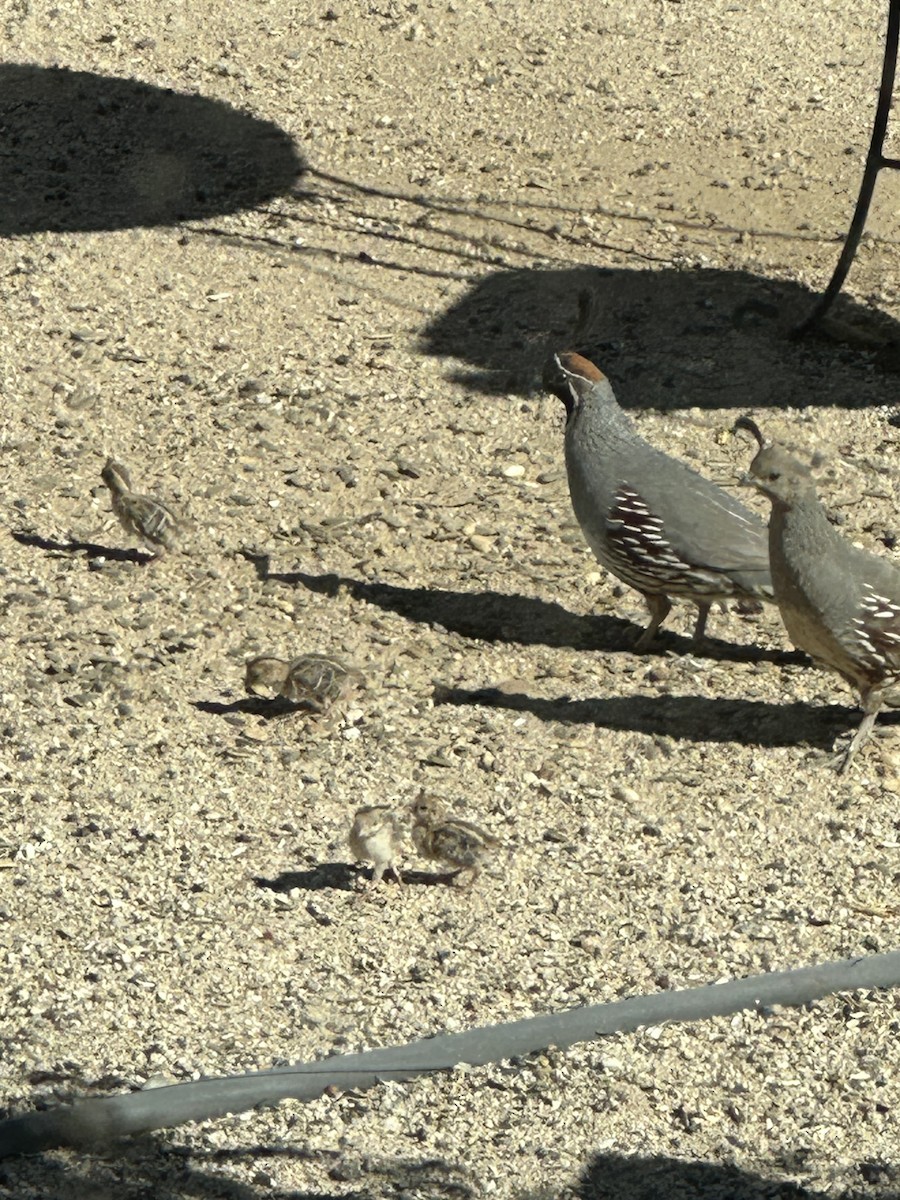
<point>652,521</point>
<point>376,836</point>
<point>143,517</point>
<point>446,839</point>
<point>838,602</point>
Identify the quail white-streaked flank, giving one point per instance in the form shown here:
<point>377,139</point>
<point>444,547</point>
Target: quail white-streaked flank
<point>446,839</point>
<point>377,836</point>
<point>316,680</point>
<point>651,520</point>
<point>144,517</point>
<point>839,603</point>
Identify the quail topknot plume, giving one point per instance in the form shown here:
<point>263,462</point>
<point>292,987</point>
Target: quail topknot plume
<point>839,603</point>
<point>652,521</point>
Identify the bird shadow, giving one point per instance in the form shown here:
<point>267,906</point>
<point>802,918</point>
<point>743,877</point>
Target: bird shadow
<point>512,617</point>
<point>93,152</point>
<point>667,338</point>
<point>341,877</point>
<point>256,706</point>
<point>89,549</point>
<point>684,718</point>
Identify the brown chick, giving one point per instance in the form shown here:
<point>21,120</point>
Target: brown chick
<point>320,680</point>
<point>144,517</point>
<point>447,839</point>
<point>377,836</point>
<point>265,675</point>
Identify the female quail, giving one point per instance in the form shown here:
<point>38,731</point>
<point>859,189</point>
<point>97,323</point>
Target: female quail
<point>651,521</point>
<point>839,603</point>
<point>144,517</point>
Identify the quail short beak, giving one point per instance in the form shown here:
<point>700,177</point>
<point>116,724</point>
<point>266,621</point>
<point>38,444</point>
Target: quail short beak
<point>746,480</point>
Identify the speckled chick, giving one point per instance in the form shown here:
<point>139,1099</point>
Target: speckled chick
<point>265,675</point>
<point>446,839</point>
<point>377,836</point>
<point>320,680</point>
<point>144,517</point>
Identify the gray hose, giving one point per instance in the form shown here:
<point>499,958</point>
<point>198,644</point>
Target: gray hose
<point>101,1120</point>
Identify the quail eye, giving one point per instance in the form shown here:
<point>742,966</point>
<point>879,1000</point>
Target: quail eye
<point>773,476</point>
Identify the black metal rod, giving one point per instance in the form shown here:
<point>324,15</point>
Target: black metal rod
<point>874,162</point>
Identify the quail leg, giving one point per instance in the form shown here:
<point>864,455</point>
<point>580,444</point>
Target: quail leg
<point>659,605</point>
<point>871,705</point>
<point>699,637</point>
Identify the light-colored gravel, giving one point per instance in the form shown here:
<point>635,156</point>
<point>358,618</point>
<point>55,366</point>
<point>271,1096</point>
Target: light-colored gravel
<point>339,385</point>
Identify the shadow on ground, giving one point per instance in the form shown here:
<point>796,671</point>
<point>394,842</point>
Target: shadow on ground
<point>510,617</point>
<point>90,152</point>
<point>151,1166</point>
<point>684,718</point>
<point>667,338</point>
<point>621,1177</point>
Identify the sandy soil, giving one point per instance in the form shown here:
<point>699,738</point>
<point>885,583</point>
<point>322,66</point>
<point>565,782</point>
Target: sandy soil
<point>298,267</point>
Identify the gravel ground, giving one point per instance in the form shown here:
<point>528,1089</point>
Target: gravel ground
<point>298,267</point>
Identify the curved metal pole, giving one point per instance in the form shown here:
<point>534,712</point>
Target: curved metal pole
<point>100,1121</point>
<point>874,162</point>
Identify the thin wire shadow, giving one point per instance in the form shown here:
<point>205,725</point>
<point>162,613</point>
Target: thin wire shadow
<point>510,617</point>
<point>89,549</point>
<point>685,718</point>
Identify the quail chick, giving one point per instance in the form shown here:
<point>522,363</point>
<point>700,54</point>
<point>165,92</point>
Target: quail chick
<point>377,836</point>
<point>446,839</point>
<point>144,517</point>
<point>265,675</point>
<point>651,520</point>
<point>838,602</point>
<point>320,680</point>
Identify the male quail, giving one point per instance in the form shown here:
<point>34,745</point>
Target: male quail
<point>839,603</point>
<point>652,521</point>
<point>446,839</point>
<point>377,836</point>
<point>144,517</point>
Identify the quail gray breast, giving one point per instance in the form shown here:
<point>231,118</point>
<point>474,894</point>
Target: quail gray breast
<point>144,517</point>
<point>838,602</point>
<point>651,520</point>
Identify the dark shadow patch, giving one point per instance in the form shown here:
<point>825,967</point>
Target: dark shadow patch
<point>91,152</point>
<point>625,1177</point>
<point>684,718</point>
<point>89,549</point>
<point>255,706</point>
<point>523,620</point>
<point>667,338</point>
<point>331,876</point>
